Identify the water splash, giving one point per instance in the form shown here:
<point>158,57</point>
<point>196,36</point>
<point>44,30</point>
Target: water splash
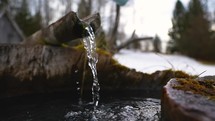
<point>90,46</point>
<point>147,109</point>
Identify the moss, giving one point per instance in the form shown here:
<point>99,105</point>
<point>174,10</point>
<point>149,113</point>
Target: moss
<point>173,74</point>
<point>181,74</point>
<point>205,88</point>
<point>118,66</point>
<point>79,47</point>
<point>164,76</point>
<point>103,52</point>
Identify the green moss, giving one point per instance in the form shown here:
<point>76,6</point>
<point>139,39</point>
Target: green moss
<point>42,42</point>
<point>173,74</point>
<point>164,76</point>
<point>79,47</point>
<point>205,88</point>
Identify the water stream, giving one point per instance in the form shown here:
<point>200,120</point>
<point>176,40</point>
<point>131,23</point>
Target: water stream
<point>147,109</point>
<point>60,107</point>
<point>90,47</point>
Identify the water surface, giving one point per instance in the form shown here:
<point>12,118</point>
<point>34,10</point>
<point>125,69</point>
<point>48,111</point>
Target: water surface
<point>63,107</point>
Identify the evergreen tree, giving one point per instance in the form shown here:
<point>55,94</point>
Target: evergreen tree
<point>22,17</point>
<point>3,3</point>
<point>191,34</point>
<point>178,27</point>
<point>36,22</point>
<point>157,44</point>
<point>28,23</point>
<point>197,34</point>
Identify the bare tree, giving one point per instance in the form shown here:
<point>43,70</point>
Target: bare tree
<point>84,8</point>
<point>100,4</point>
<point>68,5</point>
<point>47,10</point>
<point>112,41</point>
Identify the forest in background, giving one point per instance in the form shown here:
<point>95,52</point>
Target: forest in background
<point>191,32</point>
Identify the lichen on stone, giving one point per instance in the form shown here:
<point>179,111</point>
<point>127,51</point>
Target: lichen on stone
<point>205,88</point>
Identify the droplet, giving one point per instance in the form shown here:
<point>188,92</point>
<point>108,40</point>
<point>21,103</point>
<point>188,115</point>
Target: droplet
<point>76,71</point>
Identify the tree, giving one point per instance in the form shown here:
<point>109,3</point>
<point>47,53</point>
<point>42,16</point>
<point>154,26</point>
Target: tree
<point>191,34</point>
<point>114,32</point>
<point>47,10</point>
<point>23,17</point>
<point>84,8</point>
<point>197,34</point>
<point>112,41</point>
<point>178,27</point>
<point>3,3</point>
<point>37,21</point>
<point>26,21</point>
<point>157,44</point>
<point>68,6</point>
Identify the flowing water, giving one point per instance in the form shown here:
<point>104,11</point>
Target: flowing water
<point>61,107</point>
<point>90,47</point>
<point>135,110</point>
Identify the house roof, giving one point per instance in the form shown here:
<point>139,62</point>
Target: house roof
<point>5,13</point>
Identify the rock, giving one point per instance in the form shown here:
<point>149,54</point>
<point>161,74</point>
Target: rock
<point>189,100</point>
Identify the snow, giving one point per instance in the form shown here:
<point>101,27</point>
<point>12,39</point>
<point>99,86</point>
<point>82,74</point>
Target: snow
<point>149,62</point>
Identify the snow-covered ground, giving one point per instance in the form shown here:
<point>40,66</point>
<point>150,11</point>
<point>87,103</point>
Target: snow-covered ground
<point>148,62</point>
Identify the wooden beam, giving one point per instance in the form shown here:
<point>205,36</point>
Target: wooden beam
<point>133,40</point>
<point>66,29</point>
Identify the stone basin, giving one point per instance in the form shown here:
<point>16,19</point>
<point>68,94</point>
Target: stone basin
<point>189,100</point>
<point>47,70</point>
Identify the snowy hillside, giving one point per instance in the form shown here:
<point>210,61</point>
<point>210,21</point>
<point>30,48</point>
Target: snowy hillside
<point>148,62</point>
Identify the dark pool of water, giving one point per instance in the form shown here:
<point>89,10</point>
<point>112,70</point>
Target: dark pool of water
<point>64,107</point>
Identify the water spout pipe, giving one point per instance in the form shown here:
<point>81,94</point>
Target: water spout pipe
<point>64,30</point>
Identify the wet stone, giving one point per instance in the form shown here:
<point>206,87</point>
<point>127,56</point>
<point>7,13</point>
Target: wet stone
<point>182,101</point>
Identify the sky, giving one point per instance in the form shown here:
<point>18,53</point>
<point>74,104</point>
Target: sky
<point>148,17</point>
<point>151,17</point>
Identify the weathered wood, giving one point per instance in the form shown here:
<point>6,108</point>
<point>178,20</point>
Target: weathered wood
<point>33,68</point>
<point>66,29</point>
<point>29,69</point>
<point>133,40</point>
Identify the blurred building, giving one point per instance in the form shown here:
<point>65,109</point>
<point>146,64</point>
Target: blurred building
<point>9,30</point>
<point>213,27</point>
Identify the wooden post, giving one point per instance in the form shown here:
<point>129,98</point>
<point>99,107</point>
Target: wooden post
<point>66,29</point>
